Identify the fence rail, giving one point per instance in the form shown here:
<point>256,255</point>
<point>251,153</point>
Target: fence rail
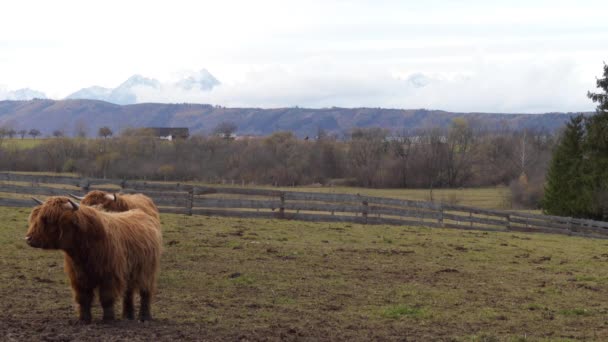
<point>190,199</point>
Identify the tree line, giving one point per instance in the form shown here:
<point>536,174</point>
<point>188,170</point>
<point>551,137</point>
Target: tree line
<point>460,156</point>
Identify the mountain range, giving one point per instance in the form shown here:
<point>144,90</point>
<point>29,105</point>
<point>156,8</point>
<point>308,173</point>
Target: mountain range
<point>126,92</point>
<point>24,94</point>
<point>49,115</point>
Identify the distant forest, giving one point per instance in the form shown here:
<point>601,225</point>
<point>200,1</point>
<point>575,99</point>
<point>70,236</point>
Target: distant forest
<point>459,156</point>
<point>74,116</point>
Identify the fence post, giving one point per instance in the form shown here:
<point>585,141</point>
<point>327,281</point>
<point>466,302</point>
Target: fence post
<point>282,208</point>
<point>508,222</point>
<point>364,211</point>
<point>440,219</point>
<point>571,224</point>
<point>85,185</point>
<point>190,201</point>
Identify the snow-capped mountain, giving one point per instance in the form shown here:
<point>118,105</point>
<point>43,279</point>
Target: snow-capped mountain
<point>94,93</point>
<point>24,94</point>
<point>126,92</point>
<point>419,80</point>
<point>202,80</point>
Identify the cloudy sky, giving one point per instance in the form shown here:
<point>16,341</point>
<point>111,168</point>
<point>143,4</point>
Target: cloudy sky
<point>518,56</point>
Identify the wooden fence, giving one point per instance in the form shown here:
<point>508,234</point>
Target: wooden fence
<point>179,198</point>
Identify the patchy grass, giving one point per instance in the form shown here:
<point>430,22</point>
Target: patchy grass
<point>494,197</point>
<point>22,144</point>
<point>230,279</point>
<point>576,312</point>
<point>399,311</point>
<point>489,197</point>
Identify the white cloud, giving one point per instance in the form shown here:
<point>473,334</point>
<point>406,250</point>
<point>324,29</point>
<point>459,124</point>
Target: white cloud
<point>489,87</point>
<point>515,56</point>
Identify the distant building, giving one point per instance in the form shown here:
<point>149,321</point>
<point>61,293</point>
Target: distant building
<point>248,137</point>
<point>228,136</point>
<point>170,133</point>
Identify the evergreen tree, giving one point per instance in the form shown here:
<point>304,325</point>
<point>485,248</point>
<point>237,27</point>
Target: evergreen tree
<point>563,195</point>
<point>596,147</point>
<point>577,179</point>
<point>601,98</point>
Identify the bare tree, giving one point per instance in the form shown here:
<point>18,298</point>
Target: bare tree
<point>22,133</point>
<point>80,129</point>
<point>366,149</point>
<point>401,148</point>
<point>3,134</point>
<point>459,145</point>
<point>58,133</point>
<point>34,132</point>
<point>105,132</point>
<point>225,129</point>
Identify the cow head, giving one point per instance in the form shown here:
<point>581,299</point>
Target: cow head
<point>51,223</point>
<point>103,200</point>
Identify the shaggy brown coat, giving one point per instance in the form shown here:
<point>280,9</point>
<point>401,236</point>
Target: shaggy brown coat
<point>117,253</point>
<point>121,202</point>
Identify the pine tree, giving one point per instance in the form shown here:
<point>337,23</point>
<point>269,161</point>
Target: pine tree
<point>577,179</point>
<point>563,194</point>
<point>596,147</point>
<point>601,98</point>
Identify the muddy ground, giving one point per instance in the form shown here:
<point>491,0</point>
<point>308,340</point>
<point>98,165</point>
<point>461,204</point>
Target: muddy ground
<point>255,280</point>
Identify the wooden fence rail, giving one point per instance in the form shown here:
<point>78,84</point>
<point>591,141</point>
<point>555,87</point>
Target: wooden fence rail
<point>180,198</point>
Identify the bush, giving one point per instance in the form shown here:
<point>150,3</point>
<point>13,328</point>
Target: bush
<point>526,194</point>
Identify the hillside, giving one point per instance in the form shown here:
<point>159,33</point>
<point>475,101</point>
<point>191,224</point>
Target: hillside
<point>49,115</point>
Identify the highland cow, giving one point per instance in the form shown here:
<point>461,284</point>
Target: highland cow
<point>116,253</point>
<point>122,202</point>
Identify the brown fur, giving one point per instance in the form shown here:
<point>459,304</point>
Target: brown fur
<point>123,202</point>
<point>117,253</point>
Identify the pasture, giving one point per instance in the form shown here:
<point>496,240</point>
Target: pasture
<point>259,279</point>
<point>488,197</point>
<point>22,144</point>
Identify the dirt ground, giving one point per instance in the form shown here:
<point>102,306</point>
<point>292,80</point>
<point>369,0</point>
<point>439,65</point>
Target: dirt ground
<point>267,280</point>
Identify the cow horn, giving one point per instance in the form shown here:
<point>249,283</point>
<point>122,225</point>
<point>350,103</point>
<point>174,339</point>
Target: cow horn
<point>76,197</point>
<point>75,205</point>
<point>37,200</point>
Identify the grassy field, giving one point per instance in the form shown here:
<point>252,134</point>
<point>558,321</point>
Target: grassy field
<point>235,279</point>
<point>493,197</point>
<point>498,197</point>
<point>22,144</point>
<point>489,197</point>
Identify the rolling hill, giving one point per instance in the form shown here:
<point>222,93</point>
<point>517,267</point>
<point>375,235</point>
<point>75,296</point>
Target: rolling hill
<point>49,115</point>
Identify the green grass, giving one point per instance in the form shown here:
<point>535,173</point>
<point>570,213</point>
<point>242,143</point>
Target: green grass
<point>488,197</point>
<point>576,312</point>
<point>263,278</point>
<point>399,311</point>
<point>22,144</point>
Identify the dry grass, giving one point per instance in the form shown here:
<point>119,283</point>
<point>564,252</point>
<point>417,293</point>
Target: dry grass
<point>229,279</point>
<point>489,197</point>
<point>22,144</point>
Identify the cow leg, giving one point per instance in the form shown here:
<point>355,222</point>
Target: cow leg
<point>106,297</point>
<point>144,310</point>
<point>84,298</point>
<point>128,309</point>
